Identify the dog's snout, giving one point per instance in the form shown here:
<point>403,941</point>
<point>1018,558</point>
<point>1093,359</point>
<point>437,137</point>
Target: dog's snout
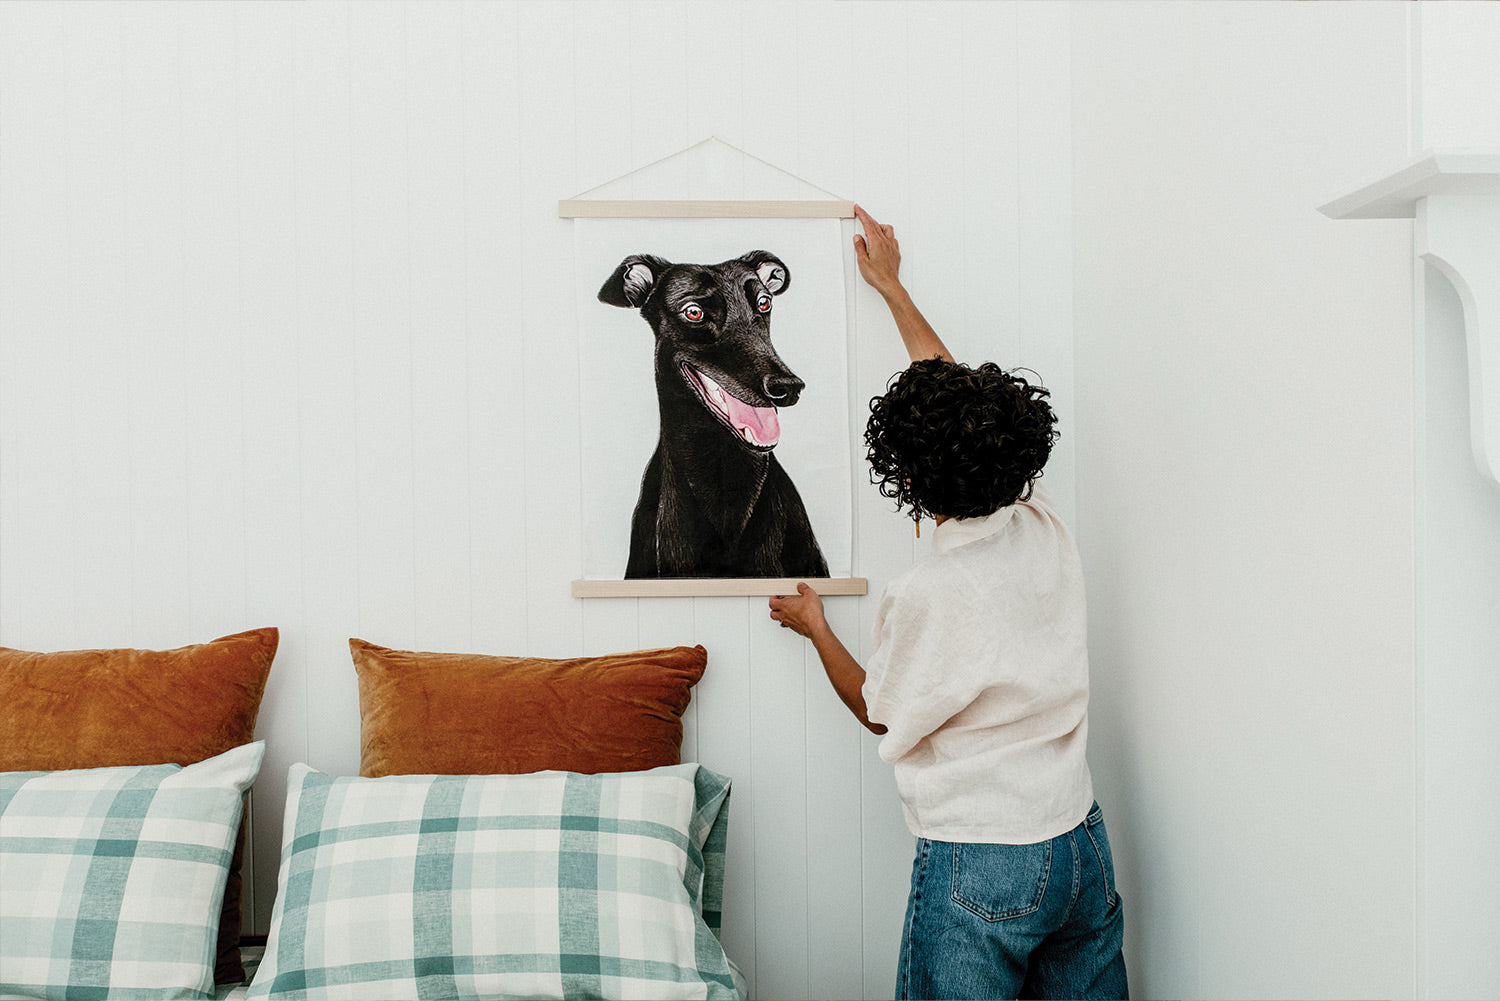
<point>784,389</point>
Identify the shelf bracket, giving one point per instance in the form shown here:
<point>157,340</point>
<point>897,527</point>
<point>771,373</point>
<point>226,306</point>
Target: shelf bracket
<point>1454,198</point>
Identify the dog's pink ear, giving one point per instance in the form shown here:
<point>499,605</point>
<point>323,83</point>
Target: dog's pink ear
<point>774,277</point>
<point>769,268</point>
<point>631,284</point>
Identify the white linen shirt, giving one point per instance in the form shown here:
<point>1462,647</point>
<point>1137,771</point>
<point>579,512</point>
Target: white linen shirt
<point>981,675</point>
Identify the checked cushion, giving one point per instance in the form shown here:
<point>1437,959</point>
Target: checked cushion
<point>111,878</point>
<point>544,885</point>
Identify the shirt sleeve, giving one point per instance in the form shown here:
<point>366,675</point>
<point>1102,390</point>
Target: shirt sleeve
<point>914,682</point>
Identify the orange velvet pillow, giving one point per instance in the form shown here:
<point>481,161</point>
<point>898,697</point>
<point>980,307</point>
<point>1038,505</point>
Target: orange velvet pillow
<point>471,714</point>
<point>104,708</point>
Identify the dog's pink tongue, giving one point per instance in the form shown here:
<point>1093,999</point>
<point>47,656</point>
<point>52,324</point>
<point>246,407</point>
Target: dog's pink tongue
<point>758,424</point>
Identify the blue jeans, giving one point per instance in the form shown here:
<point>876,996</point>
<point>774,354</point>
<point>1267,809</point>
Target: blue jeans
<point>1009,921</point>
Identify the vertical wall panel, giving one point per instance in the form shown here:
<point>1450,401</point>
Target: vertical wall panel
<point>720,99</point>
<point>654,66</point>
<point>778,747</point>
<point>548,349</point>
<point>38,555</point>
<point>1044,223</point>
<point>493,272</point>
<point>1454,95</point>
<point>436,223</point>
<point>101,349</point>
<point>213,356</point>
<point>824,123</point>
<point>327,399</point>
<point>264,163</point>
<point>767,39</point>
<point>380,178</point>
<point>934,144</point>
<point>610,101</point>
<point>992,242</point>
<point>152,319</point>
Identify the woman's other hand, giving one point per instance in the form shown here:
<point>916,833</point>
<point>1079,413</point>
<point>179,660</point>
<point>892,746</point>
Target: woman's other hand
<point>802,613</point>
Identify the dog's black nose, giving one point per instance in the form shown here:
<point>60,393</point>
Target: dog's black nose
<point>783,389</point>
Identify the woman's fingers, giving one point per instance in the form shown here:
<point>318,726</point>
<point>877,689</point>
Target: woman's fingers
<point>872,227</point>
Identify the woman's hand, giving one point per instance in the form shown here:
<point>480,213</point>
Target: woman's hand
<point>879,258</point>
<point>878,254</point>
<point>802,613</point>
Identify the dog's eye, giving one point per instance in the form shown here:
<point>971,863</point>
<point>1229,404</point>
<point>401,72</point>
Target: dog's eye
<point>763,303</point>
<point>692,313</point>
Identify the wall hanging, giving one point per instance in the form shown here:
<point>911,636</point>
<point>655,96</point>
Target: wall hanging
<point>714,346</point>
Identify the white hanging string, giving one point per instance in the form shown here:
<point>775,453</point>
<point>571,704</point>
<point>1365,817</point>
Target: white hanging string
<point>710,139</point>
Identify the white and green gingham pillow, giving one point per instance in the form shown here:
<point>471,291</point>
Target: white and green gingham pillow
<point>548,885</point>
<point>111,878</point>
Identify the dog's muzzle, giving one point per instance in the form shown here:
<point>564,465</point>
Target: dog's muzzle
<point>757,427</point>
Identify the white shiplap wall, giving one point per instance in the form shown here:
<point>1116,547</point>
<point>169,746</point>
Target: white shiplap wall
<point>1246,470</point>
<point>284,339</point>
<point>1455,102</point>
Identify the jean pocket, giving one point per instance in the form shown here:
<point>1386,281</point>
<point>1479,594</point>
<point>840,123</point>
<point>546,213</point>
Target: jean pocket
<point>1093,826</point>
<point>998,882</point>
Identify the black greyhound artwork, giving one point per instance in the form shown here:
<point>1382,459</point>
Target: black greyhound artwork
<point>714,501</point>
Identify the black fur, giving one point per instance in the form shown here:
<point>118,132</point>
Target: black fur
<point>714,501</point>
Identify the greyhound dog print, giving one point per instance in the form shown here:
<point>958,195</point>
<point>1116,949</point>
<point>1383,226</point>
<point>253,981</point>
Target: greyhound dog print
<point>714,502</point>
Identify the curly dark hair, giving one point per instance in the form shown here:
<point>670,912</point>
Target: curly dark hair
<point>958,441</point>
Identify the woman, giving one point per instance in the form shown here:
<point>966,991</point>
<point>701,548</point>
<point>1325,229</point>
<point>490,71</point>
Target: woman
<point>979,683</point>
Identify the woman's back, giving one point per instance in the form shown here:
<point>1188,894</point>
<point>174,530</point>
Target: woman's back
<point>980,674</point>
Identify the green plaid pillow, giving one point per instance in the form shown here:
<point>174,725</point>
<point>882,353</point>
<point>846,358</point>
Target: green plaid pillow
<point>548,885</point>
<point>111,878</point>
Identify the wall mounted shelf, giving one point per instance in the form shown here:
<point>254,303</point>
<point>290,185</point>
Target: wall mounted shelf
<point>1454,197</point>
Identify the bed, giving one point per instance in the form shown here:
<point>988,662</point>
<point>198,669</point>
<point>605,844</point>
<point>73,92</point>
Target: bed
<point>250,956</point>
<point>499,874</point>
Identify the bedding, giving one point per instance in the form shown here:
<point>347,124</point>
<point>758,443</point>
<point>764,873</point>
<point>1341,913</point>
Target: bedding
<point>105,708</point>
<point>113,877</point>
<point>547,885</point>
<point>472,714</point>
<point>236,992</point>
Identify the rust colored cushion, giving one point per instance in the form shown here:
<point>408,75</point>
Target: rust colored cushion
<point>471,714</point>
<point>106,708</point>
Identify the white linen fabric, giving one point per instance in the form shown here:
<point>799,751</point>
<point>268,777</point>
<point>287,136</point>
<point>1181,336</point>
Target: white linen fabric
<point>981,675</point>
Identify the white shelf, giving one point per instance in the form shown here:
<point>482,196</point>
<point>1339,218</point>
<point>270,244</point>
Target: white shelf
<point>1435,172</point>
<point>1453,195</point>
